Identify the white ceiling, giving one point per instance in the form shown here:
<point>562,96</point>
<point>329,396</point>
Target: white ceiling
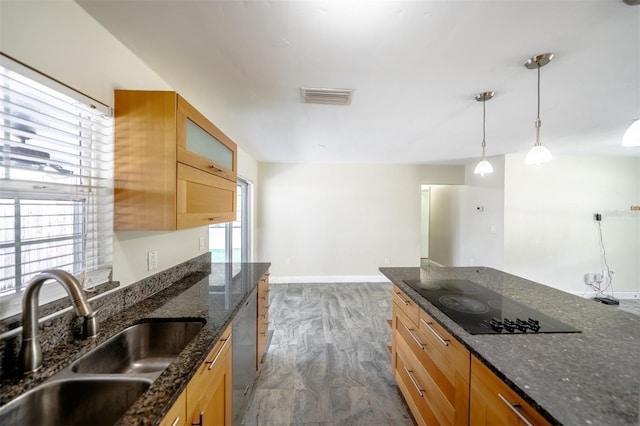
<point>416,67</point>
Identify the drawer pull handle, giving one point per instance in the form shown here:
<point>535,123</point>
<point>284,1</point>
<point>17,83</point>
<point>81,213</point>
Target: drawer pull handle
<point>176,421</point>
<point>215,218</point>
<point>214,167</point>
<point>406,302</point>
<point>415,337</point>
<point>215,358</point>
<point>200,420</point>
<point>410,373</point>
<point>434,331</point>
<point>514,408</point>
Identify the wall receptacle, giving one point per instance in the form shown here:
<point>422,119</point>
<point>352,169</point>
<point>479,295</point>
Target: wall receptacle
<point>201,243</point>
<point>287,261</point>
<point>152,260</point>
<point>387,260</point>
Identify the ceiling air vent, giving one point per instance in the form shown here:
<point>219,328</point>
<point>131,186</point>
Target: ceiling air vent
<point>326,96</point>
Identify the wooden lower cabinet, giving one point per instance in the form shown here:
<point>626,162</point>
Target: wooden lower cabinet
<point>207,399</point>
<point>493,402</point>
<point>263,319</point>
<point>177,415</point>
<point>431,368</point>
<point>440,380</point>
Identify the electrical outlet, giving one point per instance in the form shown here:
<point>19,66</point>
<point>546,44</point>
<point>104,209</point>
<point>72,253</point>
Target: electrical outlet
<point>387,260</point>
<point>201,244</point>
<point>152,260</point>
<point>287,261</point>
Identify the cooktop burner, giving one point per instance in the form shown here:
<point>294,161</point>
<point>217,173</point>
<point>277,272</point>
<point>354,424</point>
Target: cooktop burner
<point>482,311</point>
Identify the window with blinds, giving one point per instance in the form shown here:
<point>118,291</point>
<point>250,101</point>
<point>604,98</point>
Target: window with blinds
<point>56,181</point>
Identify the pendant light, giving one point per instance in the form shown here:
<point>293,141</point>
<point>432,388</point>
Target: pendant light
<point>484,167</point>
<point>539,153</point>
<point>632,135</point>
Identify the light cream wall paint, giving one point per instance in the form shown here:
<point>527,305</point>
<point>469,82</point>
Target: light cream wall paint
<point>339,221</point>
<point>60,39</point>
<point>444,225</point>
<point>248,170</point>
<point>550,234</point>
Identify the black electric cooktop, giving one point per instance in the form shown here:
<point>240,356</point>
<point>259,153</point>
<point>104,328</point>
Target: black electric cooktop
<point>482,311</point>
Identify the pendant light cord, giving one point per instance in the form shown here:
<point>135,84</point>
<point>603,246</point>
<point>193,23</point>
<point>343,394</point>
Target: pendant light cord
<point>538,91</point>
<point>484,143</point>
<point>538,122</point>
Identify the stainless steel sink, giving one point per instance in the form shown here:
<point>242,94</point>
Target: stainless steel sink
<point>99,387</point>
<point>140,349</point>
<point>82,401</point>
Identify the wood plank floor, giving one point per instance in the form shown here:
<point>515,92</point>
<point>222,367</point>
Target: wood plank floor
<point>328,363</point>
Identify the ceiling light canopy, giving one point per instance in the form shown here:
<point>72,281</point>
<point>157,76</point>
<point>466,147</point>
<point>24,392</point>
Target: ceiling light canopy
<point>484,167</point>
<point>326,96</point>
<point>539,153</point>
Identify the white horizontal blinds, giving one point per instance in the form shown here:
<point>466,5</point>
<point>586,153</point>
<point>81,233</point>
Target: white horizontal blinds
<point>56,176</point>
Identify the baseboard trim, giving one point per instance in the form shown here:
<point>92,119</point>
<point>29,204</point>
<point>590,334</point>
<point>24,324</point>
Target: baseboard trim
<point>327,279</point>
<point>622,295</point>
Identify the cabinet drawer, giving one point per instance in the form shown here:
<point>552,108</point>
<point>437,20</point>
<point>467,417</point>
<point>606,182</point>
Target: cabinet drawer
<point>203,199</point>
<point>410,378</point>
<point>494,402</point>
<point>447,396</point>
<point>452,354</point>
<point>406,305</point>
<point>200,381</point>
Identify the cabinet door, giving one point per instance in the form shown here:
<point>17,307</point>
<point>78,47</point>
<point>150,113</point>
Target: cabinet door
<point>202,145</point>
<point>177,414</point>
<point>145,161</point>
<point>209,392</point>
<point>494,402</point>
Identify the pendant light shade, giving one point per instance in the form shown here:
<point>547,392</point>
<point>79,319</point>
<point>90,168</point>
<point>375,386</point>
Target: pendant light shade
<point>632,135</point>
<point>484,167</point>
<point>538,154</point>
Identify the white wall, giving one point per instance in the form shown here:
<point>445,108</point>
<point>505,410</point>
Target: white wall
<point>340,222</point>
<point>60,39</point>
<point>248,170</point>
<point>482,217</point>
<point>444,225</point>
<point>467,221</point>
<point>550,234</point>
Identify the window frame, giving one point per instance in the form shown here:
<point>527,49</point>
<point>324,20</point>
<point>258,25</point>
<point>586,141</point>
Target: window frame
<point>244,194</point>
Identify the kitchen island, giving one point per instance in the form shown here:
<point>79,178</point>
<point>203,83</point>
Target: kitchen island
<point>589,378</point>
<point>215,297</point>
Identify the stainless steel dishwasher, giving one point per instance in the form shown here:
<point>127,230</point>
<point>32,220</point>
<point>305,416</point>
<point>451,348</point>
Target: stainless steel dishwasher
<point>244,356</point>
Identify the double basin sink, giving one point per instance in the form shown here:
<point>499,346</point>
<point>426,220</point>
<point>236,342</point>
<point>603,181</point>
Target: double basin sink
<point>99,387</point>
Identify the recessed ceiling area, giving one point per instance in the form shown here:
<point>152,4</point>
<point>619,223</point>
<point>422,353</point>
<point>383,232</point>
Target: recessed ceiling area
<point>415,66</point>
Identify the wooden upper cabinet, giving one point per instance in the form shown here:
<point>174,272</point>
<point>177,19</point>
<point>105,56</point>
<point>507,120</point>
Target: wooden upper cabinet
<point>174,169</point>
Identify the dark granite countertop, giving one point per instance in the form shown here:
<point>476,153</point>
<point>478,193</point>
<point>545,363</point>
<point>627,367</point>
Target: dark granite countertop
<point>588,378</point>
<point>214,297</point>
